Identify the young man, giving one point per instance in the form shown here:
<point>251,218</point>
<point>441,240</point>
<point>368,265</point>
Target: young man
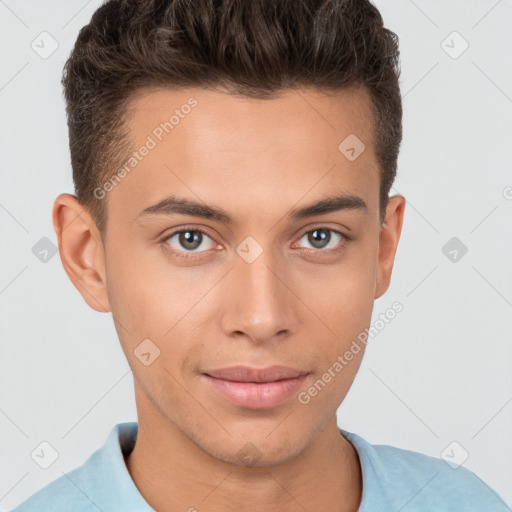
<point>232,164</point>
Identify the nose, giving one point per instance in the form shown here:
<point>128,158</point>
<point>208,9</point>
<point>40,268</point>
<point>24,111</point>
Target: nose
<point>260,304</point>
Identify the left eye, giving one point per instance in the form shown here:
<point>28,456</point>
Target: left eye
<point>321,238</point>
<point>188,239</point>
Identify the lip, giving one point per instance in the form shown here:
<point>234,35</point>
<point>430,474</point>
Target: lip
<point>255,388</point>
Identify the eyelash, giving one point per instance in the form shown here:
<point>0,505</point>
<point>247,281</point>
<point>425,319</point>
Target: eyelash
<point>193,256</point>
<point>183,254</point>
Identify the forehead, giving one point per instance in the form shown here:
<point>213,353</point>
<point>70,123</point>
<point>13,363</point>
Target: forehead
<point>212,145</point>
<point>249,122</point>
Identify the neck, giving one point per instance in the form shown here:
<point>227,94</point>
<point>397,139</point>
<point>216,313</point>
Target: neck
<point>173,473</point>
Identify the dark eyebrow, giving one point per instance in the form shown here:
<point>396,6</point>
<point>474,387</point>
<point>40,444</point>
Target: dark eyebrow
<point>173,204</point>
<point>330,204</point>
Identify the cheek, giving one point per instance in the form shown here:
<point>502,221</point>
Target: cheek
<point>152,299</point>
<point>343,301</point>
<point>342,295</point>
<point>144,298</point>
<point>144,289</point>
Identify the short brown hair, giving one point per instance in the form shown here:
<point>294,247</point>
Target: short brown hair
<point>250,47</point>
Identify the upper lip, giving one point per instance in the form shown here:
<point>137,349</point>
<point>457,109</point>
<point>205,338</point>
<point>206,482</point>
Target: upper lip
<point>248,374</point>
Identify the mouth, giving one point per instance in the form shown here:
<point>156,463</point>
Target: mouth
<point>253,388</point>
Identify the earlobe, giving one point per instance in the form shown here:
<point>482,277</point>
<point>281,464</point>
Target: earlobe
<point>81,250</point>
<point>389,238</point>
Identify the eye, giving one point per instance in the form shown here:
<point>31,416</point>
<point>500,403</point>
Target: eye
<point>322,238</point>
<point>188,240</point>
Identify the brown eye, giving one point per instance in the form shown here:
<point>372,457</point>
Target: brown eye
<point>319,238</point>
<point>188,240</point>
<point>322,238</point>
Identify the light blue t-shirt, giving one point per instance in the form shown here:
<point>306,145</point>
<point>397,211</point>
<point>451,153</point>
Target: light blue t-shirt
<point>394,480</point>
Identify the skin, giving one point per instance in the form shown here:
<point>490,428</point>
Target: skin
<point>295,305</point>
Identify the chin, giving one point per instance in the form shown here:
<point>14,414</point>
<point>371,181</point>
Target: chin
<point>259,450</point>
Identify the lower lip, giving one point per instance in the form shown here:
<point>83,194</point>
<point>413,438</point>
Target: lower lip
<point>253,395</point>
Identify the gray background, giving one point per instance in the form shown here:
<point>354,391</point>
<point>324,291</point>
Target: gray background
<point>439,372</point>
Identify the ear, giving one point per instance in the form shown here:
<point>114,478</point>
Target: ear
<point>81,250</point>
<point>389,237</point>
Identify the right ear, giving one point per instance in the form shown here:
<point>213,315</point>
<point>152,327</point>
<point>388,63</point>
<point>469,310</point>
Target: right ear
<point>81,250</point>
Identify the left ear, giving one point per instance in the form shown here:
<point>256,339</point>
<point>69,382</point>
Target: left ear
<point>389,237</point>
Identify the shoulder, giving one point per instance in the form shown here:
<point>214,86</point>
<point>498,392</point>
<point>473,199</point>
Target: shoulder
<point>411,480</point>
<point>63,494</point>
<point>102,482</point>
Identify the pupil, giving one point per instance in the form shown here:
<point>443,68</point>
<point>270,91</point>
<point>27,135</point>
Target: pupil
<point>318,237</point>
<point>190,239</point>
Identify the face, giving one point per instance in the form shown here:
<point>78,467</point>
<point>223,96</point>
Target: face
<point>215,258</point>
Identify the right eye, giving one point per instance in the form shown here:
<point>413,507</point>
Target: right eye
<point>185,241</point>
